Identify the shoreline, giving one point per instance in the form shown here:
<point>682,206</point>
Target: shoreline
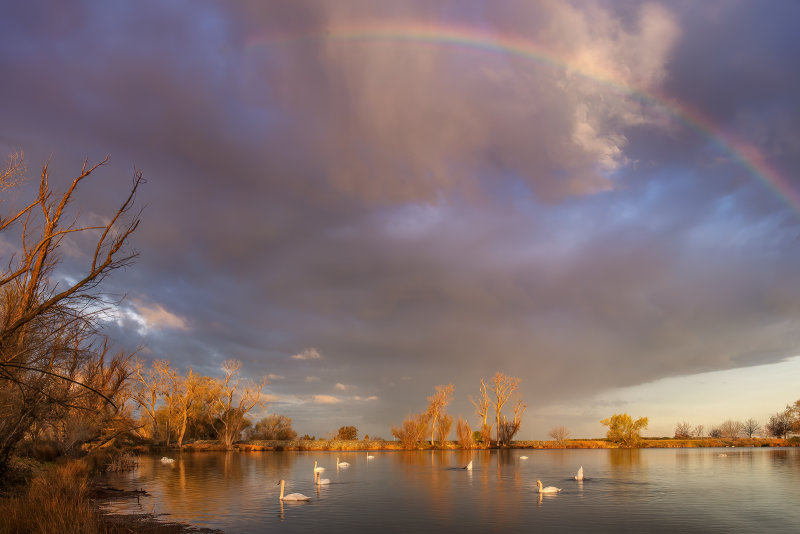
<point>382,445</point>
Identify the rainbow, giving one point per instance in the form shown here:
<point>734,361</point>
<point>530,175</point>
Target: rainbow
<point>412,31</point>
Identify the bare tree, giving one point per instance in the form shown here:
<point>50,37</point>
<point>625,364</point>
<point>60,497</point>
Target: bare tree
<point>190,390</point>
<point>48,346</point>
<point>750,427</point>
<point>698,431</point>
<point>502,388</point>
<point>683,430</point>
<point>149,384</point>
<point>482,405</point>
<point>559,433</point>
<point>731,429</point>
<point>233,401</point>
<point>436,405</point>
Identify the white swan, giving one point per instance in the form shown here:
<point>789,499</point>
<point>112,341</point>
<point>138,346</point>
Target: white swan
<point>579,476</point>
<point>523,457</point>
<point>370,457</point>
<point>341,464</point>
<point>165,460</point>
<point>548,489</point>
<point>321,481</point>
<point>292,496</point>
<point>468,467</point>
<point>318,469</point>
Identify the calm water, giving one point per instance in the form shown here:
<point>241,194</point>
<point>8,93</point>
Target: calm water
<point>651,490</point>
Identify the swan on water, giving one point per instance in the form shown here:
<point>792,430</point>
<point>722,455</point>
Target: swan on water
<point>341,464</point>
<point>370,457</point>
<point>523,457</point>
<point>548,489</point>
<point>165,460</point>
<point>318,469</point>
<point>321,481</point>
<point>468,467</point>
<point>579,476</point>
<point>292,496</point>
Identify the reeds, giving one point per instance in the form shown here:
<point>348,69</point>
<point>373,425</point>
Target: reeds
<point>56,501</point>
<point>123,462</point>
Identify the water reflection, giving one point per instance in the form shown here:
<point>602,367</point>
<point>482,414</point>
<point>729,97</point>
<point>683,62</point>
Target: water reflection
<point>624,490</point>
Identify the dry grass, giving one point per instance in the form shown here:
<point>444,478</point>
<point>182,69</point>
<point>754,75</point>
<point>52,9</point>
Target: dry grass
<point>56,501</point>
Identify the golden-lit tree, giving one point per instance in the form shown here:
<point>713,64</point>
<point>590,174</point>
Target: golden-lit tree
<point>147,389</point>
<point>436,406</point>
<point>482,404</point>
<point>51,357</point>
<point>233,400</point>
<point>623,430</point>
<point>502,387</point>
<point>192,390</point>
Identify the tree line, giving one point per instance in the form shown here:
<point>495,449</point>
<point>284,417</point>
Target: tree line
<point>780,425</point>
<point>435,422</point>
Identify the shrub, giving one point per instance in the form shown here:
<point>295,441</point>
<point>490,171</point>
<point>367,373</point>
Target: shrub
<point>347,433</point>
<point>466,438</point>
<point>411,431</point>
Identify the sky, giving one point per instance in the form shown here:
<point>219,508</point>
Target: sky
<point>362,200</point>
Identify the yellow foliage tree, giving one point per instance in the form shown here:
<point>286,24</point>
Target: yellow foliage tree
<point>623,430</point>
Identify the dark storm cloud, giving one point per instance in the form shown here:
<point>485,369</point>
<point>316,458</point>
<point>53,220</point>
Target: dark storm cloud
<point>426,214</point>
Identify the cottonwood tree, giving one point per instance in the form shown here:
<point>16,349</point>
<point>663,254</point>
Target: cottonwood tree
<point>482,405</point>
<point>232,402</point>
<point>559,433</point>
<point>509,428</point>
<point>192,390</point>
<point>436,406</point>
<point>501,389</point>
<point>50,358</point>
<point>147,389</point>
<point>623,430</point>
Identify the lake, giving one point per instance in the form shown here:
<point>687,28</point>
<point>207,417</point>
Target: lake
<point>639,490</point>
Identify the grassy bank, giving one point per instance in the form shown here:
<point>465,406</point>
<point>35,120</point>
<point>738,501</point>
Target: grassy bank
<point>375,445</point>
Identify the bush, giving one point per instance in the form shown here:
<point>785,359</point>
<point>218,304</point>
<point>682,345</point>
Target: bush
<point>466,438</point>
<point>347,433</point>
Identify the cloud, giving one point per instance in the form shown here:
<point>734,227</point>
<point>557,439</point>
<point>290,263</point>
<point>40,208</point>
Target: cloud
<point>342,387</point>
<point>307,354</point>
<point>273,376</point>
<point>151,316</point>
<point>370,398</point>
<point>326,399</point>
<point>425,211</point>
